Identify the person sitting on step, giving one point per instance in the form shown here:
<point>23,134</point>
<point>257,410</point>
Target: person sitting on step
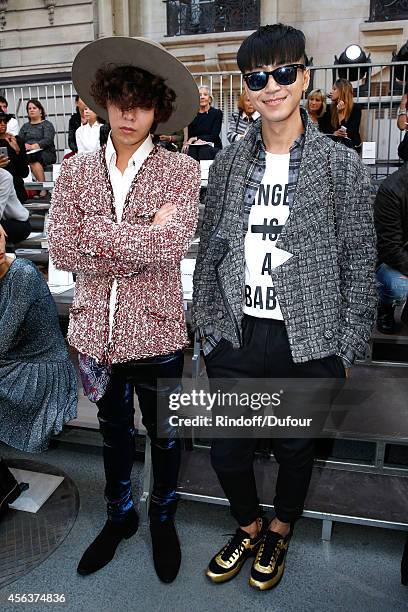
<point>391,222</point>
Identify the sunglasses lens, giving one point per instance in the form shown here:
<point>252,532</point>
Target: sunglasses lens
<point>285,75</point>
<point>257,80</point>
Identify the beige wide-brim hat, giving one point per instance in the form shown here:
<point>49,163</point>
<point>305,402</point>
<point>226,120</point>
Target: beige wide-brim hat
<point>140,53</point>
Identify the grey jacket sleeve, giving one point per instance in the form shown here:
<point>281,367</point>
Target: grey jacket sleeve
<point>204,276</point>
<point>357,259</point>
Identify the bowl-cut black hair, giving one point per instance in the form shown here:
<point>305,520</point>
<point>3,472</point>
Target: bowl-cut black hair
<point>270,45</point>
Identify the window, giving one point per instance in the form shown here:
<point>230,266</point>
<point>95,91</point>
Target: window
<point>186,17</point>
<point>388,10</point>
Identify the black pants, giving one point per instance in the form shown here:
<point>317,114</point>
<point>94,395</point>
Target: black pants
<point>16,231</point>
<point>265,354</point>
<point>116,419</point>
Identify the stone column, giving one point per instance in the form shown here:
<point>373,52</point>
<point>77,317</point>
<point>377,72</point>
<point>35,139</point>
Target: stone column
<point>121,11</point>
<point>269,11</point>
<point>152,19</point>
<point>105,18</point>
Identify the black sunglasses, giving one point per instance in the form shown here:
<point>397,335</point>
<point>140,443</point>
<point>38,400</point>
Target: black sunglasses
<point>285,75</point>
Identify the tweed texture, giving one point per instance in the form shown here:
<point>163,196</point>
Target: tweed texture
<point>327,290</point>
<point>84,237</point>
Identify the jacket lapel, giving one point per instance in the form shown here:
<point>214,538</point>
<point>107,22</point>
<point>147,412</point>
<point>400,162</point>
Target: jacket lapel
<point>312,187</point>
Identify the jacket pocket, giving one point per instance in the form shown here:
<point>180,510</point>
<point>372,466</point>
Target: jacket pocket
<point>217,350</point>
<point>162,317</point>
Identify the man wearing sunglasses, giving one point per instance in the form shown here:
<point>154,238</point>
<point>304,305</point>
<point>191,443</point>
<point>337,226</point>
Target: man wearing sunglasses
<point>284,282</point>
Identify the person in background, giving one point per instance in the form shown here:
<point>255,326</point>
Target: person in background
<point>391,222</point>
<point>403,125</point>
<point>240,121</point>
<point>13,215</point>
<point>15,161</point>
<point>316,105</point>
<point>402,113</point>
<point>171,142</point>
<point>88,134</point>
<point>204,131</point>
<point>38,391</point>
<point>13,168</point>
<point>38,135</point>
<point>75,121</point>
<point>12,125</point>
<point>342,117</point>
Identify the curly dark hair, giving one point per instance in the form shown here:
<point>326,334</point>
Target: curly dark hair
<point>129,87</point>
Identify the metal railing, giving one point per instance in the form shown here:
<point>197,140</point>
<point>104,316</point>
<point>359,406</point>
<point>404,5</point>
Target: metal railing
<point>378,94</point>
<point>186,17</point>
<point>390,10</point>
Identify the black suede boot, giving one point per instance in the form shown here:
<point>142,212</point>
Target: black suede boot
<point>166,549</point>
<point>9,487</point>
<point>103,548</point>
<point>385,318</point>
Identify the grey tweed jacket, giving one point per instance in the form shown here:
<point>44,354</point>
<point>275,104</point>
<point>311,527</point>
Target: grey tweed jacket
<point>327,290</point>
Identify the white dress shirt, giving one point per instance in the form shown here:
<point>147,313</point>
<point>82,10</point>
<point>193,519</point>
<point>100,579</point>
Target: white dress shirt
<point>120,185</point>
<point>87,137</point>
<point>10,205</point>
<point>12,127</point>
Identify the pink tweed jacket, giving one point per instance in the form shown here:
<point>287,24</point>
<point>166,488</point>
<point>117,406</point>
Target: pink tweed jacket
<point>84,237</point>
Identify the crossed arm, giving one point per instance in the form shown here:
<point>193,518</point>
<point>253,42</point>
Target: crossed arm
<point>83,242</point>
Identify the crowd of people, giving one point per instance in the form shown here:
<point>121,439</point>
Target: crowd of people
<point>31,147</point>
<point>272,298</point>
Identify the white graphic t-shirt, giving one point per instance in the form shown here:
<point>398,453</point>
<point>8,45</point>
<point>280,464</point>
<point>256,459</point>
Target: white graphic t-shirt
<point>267,217</point>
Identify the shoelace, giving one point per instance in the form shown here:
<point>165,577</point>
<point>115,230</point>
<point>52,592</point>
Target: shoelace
<point>270,549</point>
<point>234,546</point>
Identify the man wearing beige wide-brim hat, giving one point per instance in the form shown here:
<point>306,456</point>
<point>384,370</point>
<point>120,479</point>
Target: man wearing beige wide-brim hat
<point>122,218</point>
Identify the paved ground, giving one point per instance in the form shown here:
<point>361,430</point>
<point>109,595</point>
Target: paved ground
<point>357,571</point>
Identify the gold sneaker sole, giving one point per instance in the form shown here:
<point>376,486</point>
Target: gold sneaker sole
<point>218,578</point>
<point>269,584</point>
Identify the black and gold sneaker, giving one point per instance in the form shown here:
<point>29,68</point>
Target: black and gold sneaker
<point>269,564</point>
<point>229,560</point>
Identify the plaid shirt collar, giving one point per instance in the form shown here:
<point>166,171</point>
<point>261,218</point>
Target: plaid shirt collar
<point>260,147</point>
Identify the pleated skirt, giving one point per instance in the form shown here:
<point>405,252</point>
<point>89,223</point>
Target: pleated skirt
<point>36,399</point>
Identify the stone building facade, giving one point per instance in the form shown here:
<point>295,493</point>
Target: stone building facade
<point>40,38</point>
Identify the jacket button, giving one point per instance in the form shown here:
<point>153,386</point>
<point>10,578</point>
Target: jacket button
<point>328,334</point>
<point>220,314</point>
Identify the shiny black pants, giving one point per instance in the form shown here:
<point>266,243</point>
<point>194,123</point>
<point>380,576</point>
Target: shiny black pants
<point>116,419</point>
